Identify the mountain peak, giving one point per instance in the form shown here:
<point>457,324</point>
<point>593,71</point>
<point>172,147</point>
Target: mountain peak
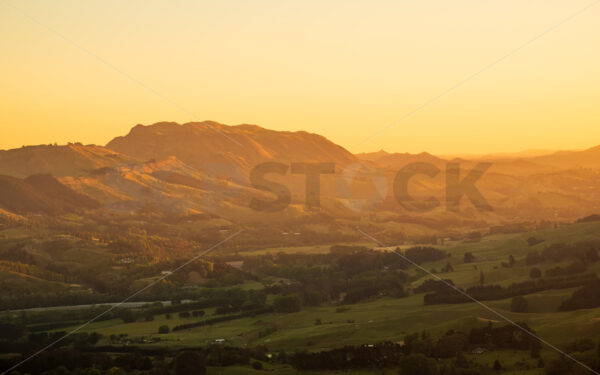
<point>198,143</point>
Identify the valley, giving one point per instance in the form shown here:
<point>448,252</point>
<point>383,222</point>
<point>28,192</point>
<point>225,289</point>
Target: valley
<point>328,320</point>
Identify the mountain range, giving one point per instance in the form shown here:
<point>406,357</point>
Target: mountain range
<point>203,167</point>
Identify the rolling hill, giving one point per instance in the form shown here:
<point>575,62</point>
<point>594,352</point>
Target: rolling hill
<point>69,160</point>
<point>589,158</point>
<point>40,194</point>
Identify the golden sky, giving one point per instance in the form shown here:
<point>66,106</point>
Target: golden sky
<point>90,70</point>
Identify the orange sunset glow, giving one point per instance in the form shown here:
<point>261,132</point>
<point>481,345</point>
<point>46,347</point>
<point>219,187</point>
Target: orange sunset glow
<point>300,187</point>
<point>346,70</point>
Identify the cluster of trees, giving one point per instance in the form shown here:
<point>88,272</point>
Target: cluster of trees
<point>586,351</point>
<point>122,360</point>
<point>351,273</point>
<point>453,343</point>
<point>496,292</point>
<point>535,273</point>
<point>519,305</point>
<point>379,355</point>
<point>511,262</point>
<point>225,300</point>
<point>572,269</point>
<point>287,304</point>
<point>17,253</point>
<point>48,320</point>
<point>449,345</point>
<point>586,297</point>
<point>223,318</point>
<point>435,286</point>
<point>506,337</point>
<point>15,337</point>
<point>421,254</point>
<point>365,286</point>
<point>421,354</point>
<point>583,251</point>
<point>187,314</point>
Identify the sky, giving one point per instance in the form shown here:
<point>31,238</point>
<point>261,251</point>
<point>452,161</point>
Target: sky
<point>447,77</point>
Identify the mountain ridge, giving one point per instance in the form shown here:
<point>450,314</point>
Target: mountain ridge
<point>243,145</point>
<point>181,167</point>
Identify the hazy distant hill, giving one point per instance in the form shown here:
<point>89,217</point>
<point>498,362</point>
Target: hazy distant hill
<point>502,156</point>
<point>40,194</point>
<point>589,158</point>
<point>201,143</point>
<point>372,156</point>
<point>399,160</point>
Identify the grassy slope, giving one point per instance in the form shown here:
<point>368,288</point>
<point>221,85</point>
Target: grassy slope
<point>492,250</point>
<point>379,320</point>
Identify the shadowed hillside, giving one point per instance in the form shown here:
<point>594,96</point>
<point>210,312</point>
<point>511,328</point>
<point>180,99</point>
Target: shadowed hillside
<point>53,189</point>
<point>40,194</point>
